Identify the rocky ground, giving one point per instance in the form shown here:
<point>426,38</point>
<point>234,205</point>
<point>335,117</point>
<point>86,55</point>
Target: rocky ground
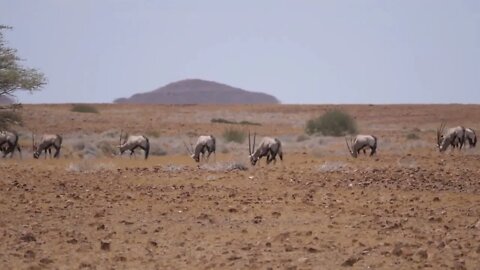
<point>303,213</point>
<point>408,207</point>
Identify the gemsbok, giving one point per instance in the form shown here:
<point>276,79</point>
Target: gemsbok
<point>133,142</point>
<point>453,136</point>
<point>471,137</point>
<point>269,147</point>
<point>47,141</point>
<point>205,143</point>
<point>9,143</point>
<point>361,142</point>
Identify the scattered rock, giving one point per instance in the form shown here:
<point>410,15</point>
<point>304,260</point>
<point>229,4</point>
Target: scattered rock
<point>29,254</point>
<point>422,253</point>
<point>397,250</point>
<point>351,261</point>
<point>302,260</point>
<point>28,237</point>
<point>105,245</point>
<point>46,261</point>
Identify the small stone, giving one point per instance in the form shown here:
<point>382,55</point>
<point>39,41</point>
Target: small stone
<point>422,253</point>
<point>28,237</point>
<point>397,250</point>
<point>105,245</point>
<point>302,260</point>
<point>29,254</point>
<point>351,261</point>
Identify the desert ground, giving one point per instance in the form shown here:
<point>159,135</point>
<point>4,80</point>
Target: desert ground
<point>407,207</point>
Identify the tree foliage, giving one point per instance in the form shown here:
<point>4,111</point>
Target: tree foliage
<point>15,77</point>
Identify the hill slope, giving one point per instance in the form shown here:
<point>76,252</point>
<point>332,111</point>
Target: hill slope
<point>195,91</point>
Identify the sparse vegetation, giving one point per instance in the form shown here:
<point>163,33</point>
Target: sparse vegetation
<point>412,136</point>
<point>84,108</point>
<point>302,138</point>
<point>234,135</point>
<point>153,134</point>
<point>332,123</point>
<point>225,121</point>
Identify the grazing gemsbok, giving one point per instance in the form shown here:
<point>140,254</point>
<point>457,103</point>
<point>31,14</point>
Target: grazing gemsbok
<point>471,137</point>
<point>269,147</point>
<point>46,143</point>
<point>9,142</point>
<point>133,142</point>
<point>453,136</point>
<point>361,142</point>
<point>205,143</point>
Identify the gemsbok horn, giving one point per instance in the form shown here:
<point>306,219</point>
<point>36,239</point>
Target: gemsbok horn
<point>361,142</point>
<point>269,147</point>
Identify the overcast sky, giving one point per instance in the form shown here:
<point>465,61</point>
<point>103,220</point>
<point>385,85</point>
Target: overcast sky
<point>315,51</point>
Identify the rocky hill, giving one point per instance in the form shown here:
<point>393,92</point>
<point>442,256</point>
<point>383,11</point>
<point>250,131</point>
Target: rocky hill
<point>195,91</point>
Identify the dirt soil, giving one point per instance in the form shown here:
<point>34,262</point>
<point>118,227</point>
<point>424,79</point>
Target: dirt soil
<point>401,209</point>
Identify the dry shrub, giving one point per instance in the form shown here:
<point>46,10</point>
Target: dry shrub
<point>106,148</point>
<point>333,167</point>
<point>89,165</point>
<point>84,108</point>
<point>234,135</point>
<point>332,123</point>
<point>8,118</point>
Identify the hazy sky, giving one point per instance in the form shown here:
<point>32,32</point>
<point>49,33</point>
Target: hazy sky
<point>300,51</point>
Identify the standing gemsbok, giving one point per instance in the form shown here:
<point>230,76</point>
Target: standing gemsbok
<point>205,143</point>
<point>361,142</point>
<point>269,147</point>
<point>133,142</point>
<point>46,143</point>
<point>8,143</point>
<point>453,136</point>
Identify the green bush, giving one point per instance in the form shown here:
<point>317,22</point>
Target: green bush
<point>84,108</point>
<point>8,117</point>
<point>234,135</point>
<point>332,123</point>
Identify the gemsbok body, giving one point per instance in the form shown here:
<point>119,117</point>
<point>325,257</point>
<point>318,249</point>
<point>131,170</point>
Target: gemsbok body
<point>133,142</point>
<point>269,147</point>
<point>453,136</point>
<point>47,141</point>
<point>9,142</point>
<point>205,144</point>
<point>362,142</point>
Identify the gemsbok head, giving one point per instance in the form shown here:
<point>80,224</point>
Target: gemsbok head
<point>453,136</point>
<point>361,142</point>
<point>47,141</point>
<point>133,142</point>
<point>9,143</point>
<point>205,144</point>
<point>269,147</point>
